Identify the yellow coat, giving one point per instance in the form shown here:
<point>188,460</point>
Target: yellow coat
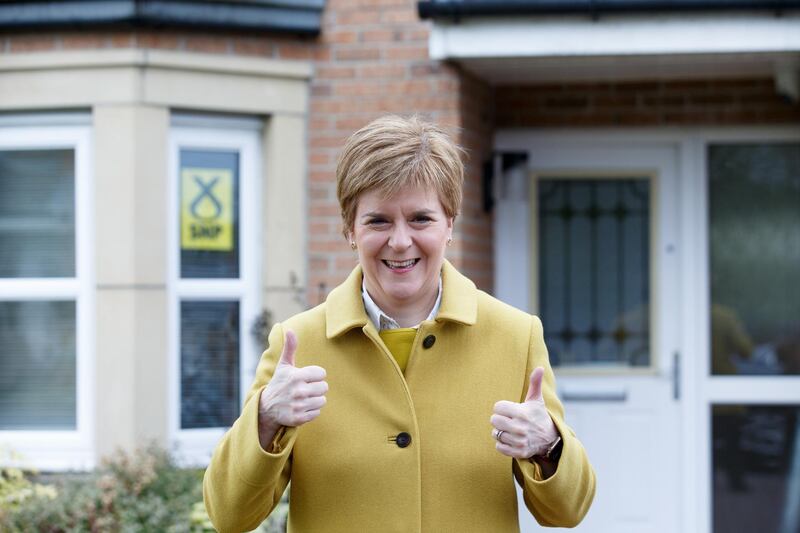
<point>347,470</point>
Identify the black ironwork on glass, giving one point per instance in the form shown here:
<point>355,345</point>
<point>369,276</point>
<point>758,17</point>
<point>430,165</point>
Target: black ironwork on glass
<point>594,270</point>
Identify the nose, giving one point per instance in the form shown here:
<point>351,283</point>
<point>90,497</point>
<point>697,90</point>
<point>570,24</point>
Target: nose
<point>400,239</point>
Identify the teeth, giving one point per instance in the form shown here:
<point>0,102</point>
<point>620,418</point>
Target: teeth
<point>400,264</point>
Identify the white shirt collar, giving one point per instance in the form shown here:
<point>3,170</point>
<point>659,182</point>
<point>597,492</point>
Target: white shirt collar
<point>383,321</point>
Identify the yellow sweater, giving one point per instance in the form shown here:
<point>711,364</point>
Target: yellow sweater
<point>399,342</point>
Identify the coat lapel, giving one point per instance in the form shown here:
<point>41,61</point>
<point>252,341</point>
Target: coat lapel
<point>459,297</point>
<point>344,309</point>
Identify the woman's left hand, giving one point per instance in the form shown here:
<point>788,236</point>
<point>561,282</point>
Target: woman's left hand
<point>525,429</point>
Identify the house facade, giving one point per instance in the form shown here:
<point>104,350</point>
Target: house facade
<point>633,177</point>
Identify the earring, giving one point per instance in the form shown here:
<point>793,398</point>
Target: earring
<point>449,241</point>
<point>353,245</point>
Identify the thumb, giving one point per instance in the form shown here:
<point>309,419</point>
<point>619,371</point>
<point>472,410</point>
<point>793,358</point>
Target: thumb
<point>289,347</point>
<point>535,388</point>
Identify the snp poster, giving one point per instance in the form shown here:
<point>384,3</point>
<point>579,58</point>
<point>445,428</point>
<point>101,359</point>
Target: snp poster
<point>206,209</point>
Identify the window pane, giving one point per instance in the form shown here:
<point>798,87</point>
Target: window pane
<point>37,213</point>
<point>209,184</point>
<point>756,461</point>
<point>37,365</point>
<point>594,270</point>
<point>209,364</point>
<point>754,195</point>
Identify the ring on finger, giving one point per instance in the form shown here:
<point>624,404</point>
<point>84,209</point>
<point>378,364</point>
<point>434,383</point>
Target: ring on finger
<point>498,435</point>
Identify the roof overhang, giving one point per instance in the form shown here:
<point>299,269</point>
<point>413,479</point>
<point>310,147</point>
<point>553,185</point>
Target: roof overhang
<point>563,48</point>
<point>462,9</point>
<point>294,16</point>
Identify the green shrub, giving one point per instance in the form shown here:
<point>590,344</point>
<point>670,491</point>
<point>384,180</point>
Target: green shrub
<point>15,488</point>
<point>138,493</point>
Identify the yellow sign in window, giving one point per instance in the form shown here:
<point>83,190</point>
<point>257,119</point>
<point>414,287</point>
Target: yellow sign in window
<point>207,209</point>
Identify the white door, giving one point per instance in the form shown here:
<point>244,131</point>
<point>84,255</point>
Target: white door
<point>586,237</point>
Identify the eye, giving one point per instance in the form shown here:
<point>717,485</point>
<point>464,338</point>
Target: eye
<point>377,221</point>
<point>422,219</point>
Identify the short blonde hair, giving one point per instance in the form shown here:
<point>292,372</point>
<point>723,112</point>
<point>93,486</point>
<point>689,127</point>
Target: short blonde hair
<point>393,152</point>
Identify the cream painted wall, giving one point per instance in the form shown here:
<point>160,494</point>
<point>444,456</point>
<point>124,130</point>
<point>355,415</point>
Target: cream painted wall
<point>201,82</point>
<point>131,94</point>
<point>130,264</point>
<point>284,216</point>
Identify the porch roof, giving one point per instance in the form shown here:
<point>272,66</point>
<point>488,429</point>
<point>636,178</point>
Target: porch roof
<point>459,9</point>
<point>545,41</point>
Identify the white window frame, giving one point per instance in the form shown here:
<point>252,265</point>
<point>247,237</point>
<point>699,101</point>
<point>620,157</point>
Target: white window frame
<point>61,449</point>
<point>194,446</point>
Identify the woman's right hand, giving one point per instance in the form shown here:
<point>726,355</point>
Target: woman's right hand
<point>293,396</point>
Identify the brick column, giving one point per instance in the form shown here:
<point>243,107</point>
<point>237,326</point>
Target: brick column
<point>374,60</point>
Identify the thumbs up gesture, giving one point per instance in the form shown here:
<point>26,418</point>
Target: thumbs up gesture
<point>525,429</point>
<point>293,396</point>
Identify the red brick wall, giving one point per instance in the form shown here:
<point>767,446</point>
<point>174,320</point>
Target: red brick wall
<point>272,46</point>
<point>668,103</point>
<point>474,239</point>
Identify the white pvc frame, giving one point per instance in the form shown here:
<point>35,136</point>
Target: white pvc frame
<point>62,449</point>
<point>713,390</point>
<point>194,446</point>
<point>699,389</point>
<point>615,35</point>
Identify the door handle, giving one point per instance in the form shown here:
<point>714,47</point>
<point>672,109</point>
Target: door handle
<point>595,396</point>
<point>676,376</point>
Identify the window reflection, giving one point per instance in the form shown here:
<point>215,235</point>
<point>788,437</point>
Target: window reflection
<point>37,365</point>
<point>754,208</point>
<point>37,213</point>
<point>756,481</point>
<point>209,363</point>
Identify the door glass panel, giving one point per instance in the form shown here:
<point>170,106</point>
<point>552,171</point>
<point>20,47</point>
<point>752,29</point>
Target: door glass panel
<point>594,270</point>
<point>756,481</point>
<point>209,363</point>
<point>37,365</point>
<point>754,209</point>
<point>37,213</point>
<point>209,185</point>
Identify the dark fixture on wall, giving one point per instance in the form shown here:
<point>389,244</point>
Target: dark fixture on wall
<point>493,169</point>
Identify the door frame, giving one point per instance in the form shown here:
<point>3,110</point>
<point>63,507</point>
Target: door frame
<point>699,390</point>
<point>710,389</point>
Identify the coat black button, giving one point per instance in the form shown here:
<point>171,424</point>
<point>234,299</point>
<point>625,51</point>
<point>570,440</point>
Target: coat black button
<point>403,439</point>
<point>428,342</point>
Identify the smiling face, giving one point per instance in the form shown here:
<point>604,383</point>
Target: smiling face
<point>401,242</point>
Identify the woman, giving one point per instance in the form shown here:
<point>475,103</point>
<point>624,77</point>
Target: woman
<point>406,400</point>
